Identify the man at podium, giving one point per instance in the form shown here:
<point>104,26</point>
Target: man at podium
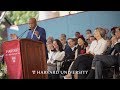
<point>35,32</point>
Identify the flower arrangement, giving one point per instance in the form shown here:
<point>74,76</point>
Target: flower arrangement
<point>3,71</point>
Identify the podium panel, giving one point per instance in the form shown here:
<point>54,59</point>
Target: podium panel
<point>12,57</point>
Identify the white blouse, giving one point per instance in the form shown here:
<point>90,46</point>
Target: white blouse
<point>55,56</point>
<point>98,47</point>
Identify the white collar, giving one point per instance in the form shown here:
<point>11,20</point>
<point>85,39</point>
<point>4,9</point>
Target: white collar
<point>117,41</point>
<point>73,48</point>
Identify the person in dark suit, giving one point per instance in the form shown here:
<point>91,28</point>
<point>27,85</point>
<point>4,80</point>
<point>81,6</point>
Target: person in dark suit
<point>69,52</point>
<point>66,47</point>
<point>35,32</point>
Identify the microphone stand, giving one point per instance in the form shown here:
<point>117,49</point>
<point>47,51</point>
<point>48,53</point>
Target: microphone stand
<point>22,34</point>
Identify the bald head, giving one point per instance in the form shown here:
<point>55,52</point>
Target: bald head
<point>32,23</point>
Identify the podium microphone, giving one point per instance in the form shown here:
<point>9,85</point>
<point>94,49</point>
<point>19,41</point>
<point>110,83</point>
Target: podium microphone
<point>22,34</point>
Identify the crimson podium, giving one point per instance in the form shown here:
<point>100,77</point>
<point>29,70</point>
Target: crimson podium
<point>25,59</point>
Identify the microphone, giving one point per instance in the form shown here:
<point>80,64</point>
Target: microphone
<point>23,33</point>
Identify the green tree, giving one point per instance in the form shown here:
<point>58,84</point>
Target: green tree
<point>21,17</point>
<point>3,33</point>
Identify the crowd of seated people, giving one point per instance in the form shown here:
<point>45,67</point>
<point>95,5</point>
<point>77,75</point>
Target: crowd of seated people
<point>90,53</point>
<point>83,62</point>
<point>109,58</point>
<point>93,53</point>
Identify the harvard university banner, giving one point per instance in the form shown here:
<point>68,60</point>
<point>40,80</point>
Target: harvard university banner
<point>12,57</point>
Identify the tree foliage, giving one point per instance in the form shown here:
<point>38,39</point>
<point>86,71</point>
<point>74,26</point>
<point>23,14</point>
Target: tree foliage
<point>21,17</point>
